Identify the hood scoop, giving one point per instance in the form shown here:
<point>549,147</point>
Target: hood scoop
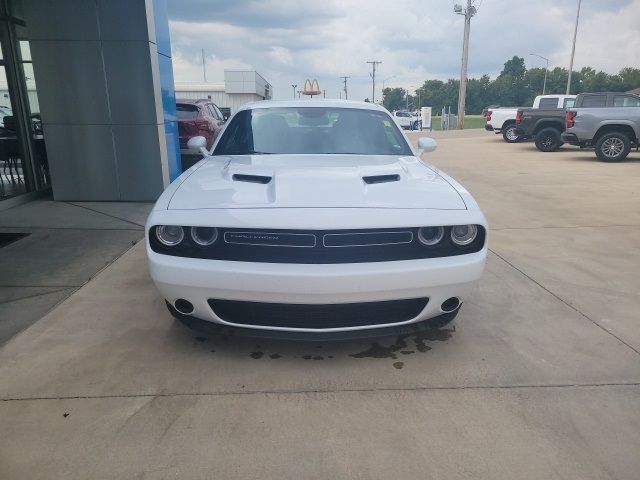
<point>240,177</point>
<point>371,179</point>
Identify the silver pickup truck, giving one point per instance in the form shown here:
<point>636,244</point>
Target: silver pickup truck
<point>612,131</point>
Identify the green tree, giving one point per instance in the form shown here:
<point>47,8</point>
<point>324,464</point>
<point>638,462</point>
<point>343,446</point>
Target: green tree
<point>630,78</point>
<point>394,98</point>
<point>515,86</point>
<point>515,68</point>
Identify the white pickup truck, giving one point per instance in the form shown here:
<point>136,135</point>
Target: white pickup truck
<point>503,120</point>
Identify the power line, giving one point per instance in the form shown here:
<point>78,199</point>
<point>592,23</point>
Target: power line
<point>373,77</point>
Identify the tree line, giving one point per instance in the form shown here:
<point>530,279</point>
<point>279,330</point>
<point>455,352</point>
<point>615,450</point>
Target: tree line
<point>515,86</point>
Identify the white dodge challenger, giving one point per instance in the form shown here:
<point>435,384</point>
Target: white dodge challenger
<point>315,217</point>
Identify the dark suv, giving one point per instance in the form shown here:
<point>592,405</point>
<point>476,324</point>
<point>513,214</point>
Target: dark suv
<point>197,118</point>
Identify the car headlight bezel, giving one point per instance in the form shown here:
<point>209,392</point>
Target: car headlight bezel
<point>204,242</point>
<point>434,239</point>
<point>463,240</point>
<point>163,236</point>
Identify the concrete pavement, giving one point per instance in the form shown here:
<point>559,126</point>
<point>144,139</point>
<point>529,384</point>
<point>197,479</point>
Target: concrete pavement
<point>540,378</point>
<point>66,244</point>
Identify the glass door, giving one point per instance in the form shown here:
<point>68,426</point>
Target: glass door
<point>23,156</point>
<point>12,171</point>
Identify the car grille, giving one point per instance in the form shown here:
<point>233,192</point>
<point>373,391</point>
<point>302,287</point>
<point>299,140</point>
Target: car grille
<point>313,316</point>
<point>318,246</point>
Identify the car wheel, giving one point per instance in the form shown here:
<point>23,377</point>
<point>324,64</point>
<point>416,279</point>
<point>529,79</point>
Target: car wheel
<point>613,147</point>
<point>416,125</point>
<point>509,134</point>
<point>548,139</point>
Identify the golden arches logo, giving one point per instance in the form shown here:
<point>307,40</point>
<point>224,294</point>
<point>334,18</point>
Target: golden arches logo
<point>311,87</point>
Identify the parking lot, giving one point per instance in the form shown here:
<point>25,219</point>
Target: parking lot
<point>539,377</point>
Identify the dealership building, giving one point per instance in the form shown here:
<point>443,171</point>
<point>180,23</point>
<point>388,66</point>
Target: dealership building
<point>87,100</point>
<point>239,87</point>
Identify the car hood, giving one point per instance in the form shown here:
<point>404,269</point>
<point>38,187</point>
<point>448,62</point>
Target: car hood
<point>315,181</point>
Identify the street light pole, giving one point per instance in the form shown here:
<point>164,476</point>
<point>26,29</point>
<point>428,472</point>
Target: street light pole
<point>468,12</point>
<point>544,85</point>
<point>294,90</point>
<point>573,48</point>
<point>204,67</point>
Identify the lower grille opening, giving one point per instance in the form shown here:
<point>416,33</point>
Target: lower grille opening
<point>317,316</point>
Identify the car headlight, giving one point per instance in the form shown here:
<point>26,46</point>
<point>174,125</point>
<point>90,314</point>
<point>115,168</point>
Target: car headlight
<point>204,236</point>
<point>430,235</point>
<point>169,235</point>
<point>463,234</point>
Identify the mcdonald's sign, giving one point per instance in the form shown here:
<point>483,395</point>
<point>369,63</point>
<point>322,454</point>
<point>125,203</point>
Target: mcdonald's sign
<point>311,87</point>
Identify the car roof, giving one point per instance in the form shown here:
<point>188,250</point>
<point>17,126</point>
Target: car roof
<point>192,101</point>
<point>608,93</point>
<point>313,103</point>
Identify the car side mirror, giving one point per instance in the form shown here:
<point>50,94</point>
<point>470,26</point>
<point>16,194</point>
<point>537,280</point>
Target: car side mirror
<point>426,144</point>
<point>197,145</point>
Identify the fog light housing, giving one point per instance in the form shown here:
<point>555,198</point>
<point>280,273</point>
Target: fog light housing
<point>463,234</point>
<point>169,235</point>
<point>204,236</point>
<point>430,236</point>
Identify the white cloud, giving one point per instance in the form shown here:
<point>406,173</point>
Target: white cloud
<point>288,41</point>
<point>281,55</point>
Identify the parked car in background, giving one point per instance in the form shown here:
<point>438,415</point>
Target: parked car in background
<point>315,217</point>
<point>407,120</point>
<point>197,118</point>
<point>503,120</point>
<point>613,131</point>
<point>546,125</point>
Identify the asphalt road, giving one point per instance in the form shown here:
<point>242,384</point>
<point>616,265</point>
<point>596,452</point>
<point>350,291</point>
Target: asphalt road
<point>538,379</point>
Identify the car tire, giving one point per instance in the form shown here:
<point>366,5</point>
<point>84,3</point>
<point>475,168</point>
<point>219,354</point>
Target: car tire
<point>509,135</point>
<point>548,139</point>
<point>613,147</point>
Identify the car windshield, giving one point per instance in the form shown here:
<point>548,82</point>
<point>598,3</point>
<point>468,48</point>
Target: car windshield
<point>312,130</point>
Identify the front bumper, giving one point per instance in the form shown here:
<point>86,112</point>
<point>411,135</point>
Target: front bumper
<point>198,280</point>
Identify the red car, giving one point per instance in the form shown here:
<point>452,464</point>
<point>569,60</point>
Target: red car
<point>197,118</point>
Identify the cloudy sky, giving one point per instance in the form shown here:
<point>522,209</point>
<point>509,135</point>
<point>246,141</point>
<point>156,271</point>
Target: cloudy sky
<point>288,41</point>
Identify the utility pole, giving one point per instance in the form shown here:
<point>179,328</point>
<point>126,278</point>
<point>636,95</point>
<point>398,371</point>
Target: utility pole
<point>294,90</point>
<point>544,85</point>
<point>573,48</point>
<point>204,68</point>
<point>373,77</point>
<point>344,80</point>
<point>468,12</point>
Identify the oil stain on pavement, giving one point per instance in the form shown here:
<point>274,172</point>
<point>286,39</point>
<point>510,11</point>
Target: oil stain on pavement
<point>403,345</point>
